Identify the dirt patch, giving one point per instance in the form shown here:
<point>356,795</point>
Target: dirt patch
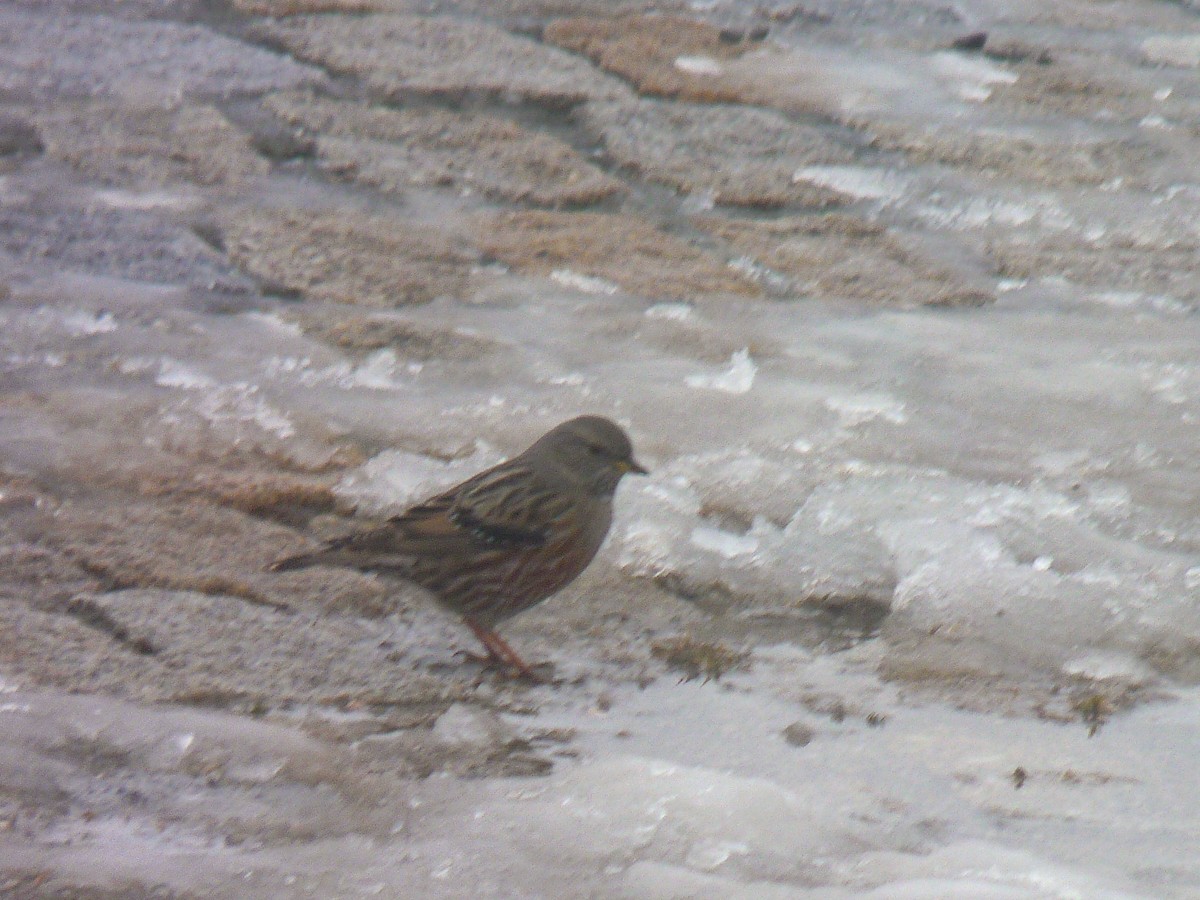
<point>71,230</point>
<point>1008,155</point>
<point>347,257</point>
<point>48,55</point>
<point>1109,264</point>
<point>283,8</point>
<point>835,256</point>
<point>626,251</point>
<point>530,8</point>
<point>144,147</point>
<point>389,149</point>
<point>283,498</point>
<point>666,56</point>
<point>696,658</point>
<point>365,334</point>
<point>193,546</point>
<point>448,58</point>
<point>739,156</point>
<point>1074,87</point>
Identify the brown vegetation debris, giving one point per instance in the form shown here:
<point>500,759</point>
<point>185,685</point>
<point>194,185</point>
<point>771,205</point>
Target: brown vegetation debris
<point>627,251</point>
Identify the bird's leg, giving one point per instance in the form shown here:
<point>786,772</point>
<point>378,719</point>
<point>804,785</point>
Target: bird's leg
<point>499,650</point>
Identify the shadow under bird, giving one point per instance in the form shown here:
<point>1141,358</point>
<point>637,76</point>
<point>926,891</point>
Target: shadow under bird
<point>507,538</point>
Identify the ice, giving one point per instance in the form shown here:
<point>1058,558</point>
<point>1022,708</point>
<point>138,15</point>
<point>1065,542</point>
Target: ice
<point>662,881</point>
<point>675,312</point>
<point>971,79</point>
<point>858,408</point>
<point>461,725</point>
<point>84,323</point>
<point>978,869</point>
<point>149,61</point>
<point>229,407</point>
<point>586,283</point>
<point>395,479</point>
<point>865,184</point>
<point>737,379</point>
<point>952,551</point>
<point>1172,50</point>
<point>763,565</point>
<point>698,65</point>
<point>378,372</point>
<point>148,200</point>
<point>173,373</point>
<point>629,807</point>
<point>723,542</point>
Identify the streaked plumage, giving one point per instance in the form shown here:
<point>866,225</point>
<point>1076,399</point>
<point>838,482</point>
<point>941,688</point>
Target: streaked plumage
<point>505,539</point>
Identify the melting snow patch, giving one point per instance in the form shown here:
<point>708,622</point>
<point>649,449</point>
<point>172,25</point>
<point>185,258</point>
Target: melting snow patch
<point>377,372</point>
<point>971,78</point>
<point>1182,51</point>
<point>239,403</point>
<point>1043,211</point>
<point>756,271</point>
<point>725,543</point>
<point>674,312</point>
<point>647,880</point>
<point>737,379</point>
<point>145,201</point>
<point>698,65</point>
<point>587,284</point>
<point>82,324</point>
<point>855,409</point>
<point>698,202</point>
<point>978,870</point>
<point>234,404</point>
<point>1108,667</point>
<point>172,373</point>
<point>857,182</point>
<point>634,807</point>
<point>275,323</point>
<point>394,479</point>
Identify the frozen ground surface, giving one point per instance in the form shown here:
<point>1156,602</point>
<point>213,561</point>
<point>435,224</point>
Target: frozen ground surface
<point>897,300</point>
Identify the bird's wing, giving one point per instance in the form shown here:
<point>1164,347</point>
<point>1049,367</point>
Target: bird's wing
<point>497,509</point>
<point>501,507</point>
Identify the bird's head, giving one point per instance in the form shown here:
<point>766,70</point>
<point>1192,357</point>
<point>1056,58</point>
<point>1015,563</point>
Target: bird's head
<point>594,449</point>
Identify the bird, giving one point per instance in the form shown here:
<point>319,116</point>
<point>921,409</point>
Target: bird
<point>503,540</point>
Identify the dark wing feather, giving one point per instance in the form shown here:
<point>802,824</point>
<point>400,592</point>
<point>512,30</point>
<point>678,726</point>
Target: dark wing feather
<point>494,510</point>
<point>503,508</point>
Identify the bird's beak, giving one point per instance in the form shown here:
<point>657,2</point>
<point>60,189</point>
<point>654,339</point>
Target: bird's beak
<point>631,466</point>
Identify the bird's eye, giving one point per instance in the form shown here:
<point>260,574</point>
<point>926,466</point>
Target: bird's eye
<point>595,450</point>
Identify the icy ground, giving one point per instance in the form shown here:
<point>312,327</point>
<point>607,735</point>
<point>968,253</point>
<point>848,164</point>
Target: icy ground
<point>897,300</point>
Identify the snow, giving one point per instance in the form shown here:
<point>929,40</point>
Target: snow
<point>698,65</point>
<point>394,479</point>
<point>970,78</point>
<point>737,379</point>
<point>586,283</point>
<point>958,548</point>
<point>855,181</point>
<point>676,312</point>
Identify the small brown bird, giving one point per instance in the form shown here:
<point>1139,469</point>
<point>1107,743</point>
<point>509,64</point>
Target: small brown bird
<point>506,539</point>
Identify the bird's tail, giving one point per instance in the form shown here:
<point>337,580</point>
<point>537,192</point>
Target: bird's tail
<point>303,561</point>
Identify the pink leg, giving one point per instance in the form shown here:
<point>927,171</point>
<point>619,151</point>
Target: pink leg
<point>499,650</point>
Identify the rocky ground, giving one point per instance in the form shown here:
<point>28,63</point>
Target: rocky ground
<point>896,299</point>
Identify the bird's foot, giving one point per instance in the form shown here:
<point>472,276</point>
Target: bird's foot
<point>500,655</point>
<point>537,673</point>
